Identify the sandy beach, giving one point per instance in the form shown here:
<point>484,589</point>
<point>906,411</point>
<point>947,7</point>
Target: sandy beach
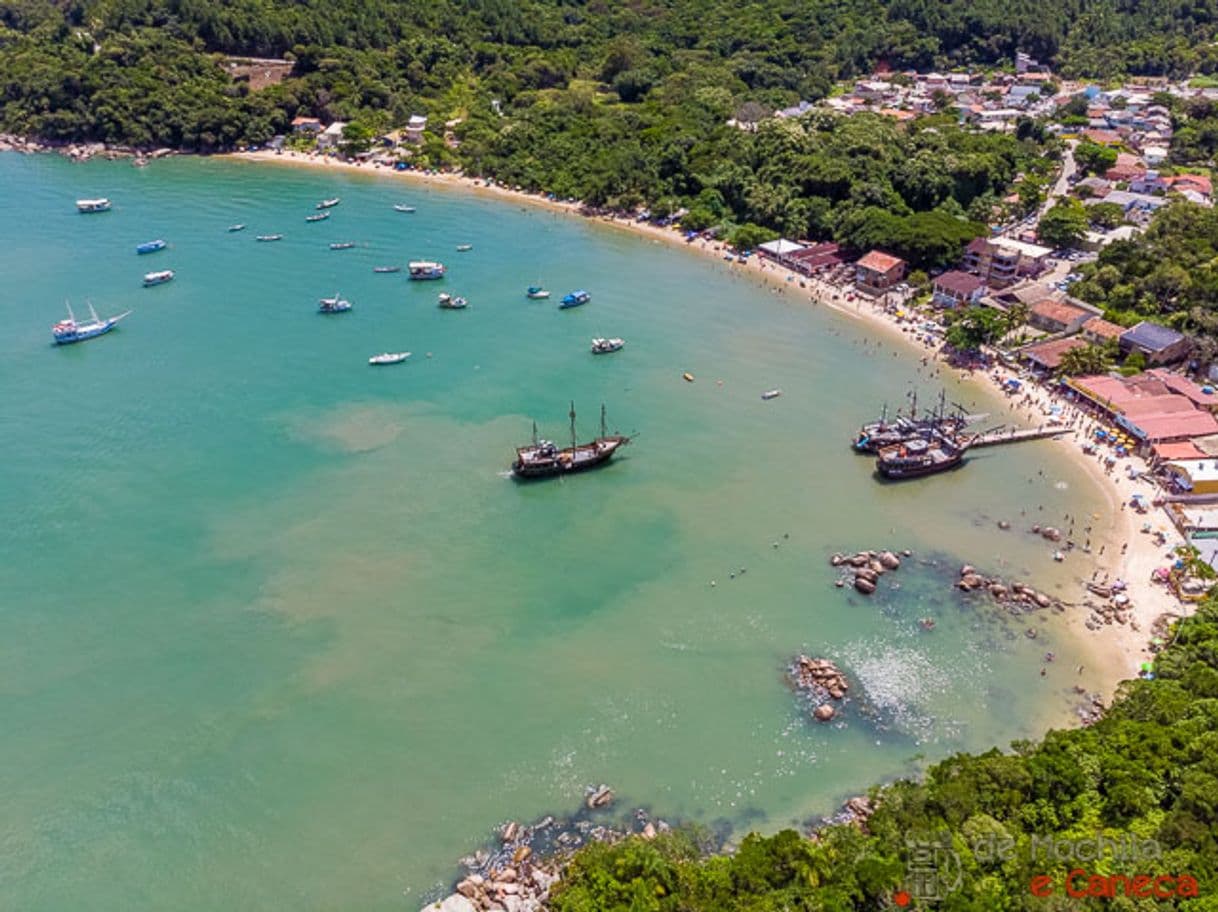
<point>1117,649</point>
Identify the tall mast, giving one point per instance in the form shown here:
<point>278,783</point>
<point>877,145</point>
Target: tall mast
<point>603,432</point>
<point>573,443</point>
<point>534,433</point>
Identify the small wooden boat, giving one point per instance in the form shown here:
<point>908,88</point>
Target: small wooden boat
<point>336,304</point>
<point>329,203</point>
<point>388,358</point>
<point>771,394</point>
<point>463,248</point>
<point>384,269</point>
<point>320,217</point>
<point>688,377</point>
<point>269,237</point>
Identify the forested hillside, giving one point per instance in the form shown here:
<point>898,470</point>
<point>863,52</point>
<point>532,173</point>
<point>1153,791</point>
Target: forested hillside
<point>146,71</point>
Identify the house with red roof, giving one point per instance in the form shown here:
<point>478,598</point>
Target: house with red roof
<point>956,288</point>
<point>878,272</point>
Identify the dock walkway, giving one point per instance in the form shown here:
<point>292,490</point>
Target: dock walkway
<point>1014,435</point>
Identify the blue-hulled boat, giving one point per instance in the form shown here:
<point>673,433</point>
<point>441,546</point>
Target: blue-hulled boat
<point>151,246</point>
<point>65,332</point>
<point>575,299</point>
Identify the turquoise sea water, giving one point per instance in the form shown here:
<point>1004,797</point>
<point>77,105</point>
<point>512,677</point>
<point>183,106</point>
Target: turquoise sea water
<point>276,630</point>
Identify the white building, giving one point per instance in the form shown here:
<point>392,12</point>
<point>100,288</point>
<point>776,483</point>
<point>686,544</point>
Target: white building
<point>331,136</point>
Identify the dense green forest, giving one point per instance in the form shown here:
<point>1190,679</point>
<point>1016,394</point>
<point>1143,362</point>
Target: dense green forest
<point>1147,771</point>
<point>1169,274</point>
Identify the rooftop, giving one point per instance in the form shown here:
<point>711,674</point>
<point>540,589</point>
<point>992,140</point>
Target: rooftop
<point>1105,329</point>
<point>1058,311</point>
<point>957,282</point>
<point>880,262</point>
<point>1049,354</point>
<point>1152,336</point>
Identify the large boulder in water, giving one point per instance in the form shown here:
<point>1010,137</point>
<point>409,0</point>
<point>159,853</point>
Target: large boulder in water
<point>864,585</point>
<point>888,560</point>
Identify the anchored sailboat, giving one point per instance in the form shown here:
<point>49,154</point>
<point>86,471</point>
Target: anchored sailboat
<point>543,459</point>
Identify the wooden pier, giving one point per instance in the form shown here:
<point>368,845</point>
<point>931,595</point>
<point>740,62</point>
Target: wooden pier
<point>1016,435</point>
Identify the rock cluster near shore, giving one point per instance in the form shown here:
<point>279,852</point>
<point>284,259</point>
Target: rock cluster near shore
<point>517,872</point>
<point>1018,596</point>
<point>866,567</point>
<point>821,681</point>
<point>78,151</point>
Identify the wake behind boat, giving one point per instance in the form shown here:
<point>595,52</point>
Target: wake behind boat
<point>65,332</point>
<point>151,246</point>
<point>388,358</point>
<point>543,459</point>
<point>158,278</point>
<point>574,299</point>
<point>93,205</point>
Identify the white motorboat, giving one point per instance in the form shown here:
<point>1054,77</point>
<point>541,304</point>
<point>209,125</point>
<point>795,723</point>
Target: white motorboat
<point>158,278</point>
<point>605,346</point>
<point>389,358</point>
<point>449,302</point>
<point>771,394</point>
<point>93,205</point>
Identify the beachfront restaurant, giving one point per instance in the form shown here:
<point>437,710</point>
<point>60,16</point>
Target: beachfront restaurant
<point>1144,407</point>
<point>1194,476</point>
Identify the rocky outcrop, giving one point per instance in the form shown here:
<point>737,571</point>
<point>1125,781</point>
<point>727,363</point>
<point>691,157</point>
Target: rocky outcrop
<point>1017,596</point>
<point>821,682</point>
<point>863,569</point>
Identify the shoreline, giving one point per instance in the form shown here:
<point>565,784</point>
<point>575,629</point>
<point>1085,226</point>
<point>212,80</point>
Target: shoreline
<point>1117,652</point>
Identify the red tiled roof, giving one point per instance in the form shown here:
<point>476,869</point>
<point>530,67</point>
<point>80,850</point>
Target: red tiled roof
<point>1103,137</point>
<point>957,282</point>
<point>1098,326</point>
<point>1183,450</point>
<point>1059,311</point>
<point>880,262</point>
<point>1049,354</point>
<point>1180,424</point>
<point>1198,182</point>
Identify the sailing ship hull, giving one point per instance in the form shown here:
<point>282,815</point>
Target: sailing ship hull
<point>84,334</point>
<point>569,460</point>
<point>900,470</point>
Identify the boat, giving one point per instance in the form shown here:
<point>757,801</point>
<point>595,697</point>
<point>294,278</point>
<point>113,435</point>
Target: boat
<point>448,302</point>
<point>771,394</point>
<point>342,245</point>
<point>929,454</point>
<point>94,205</point>
<point>333,305</point>
<point>605,346</point>
<point>158,278</point>
<point>426,269</point>
<point>269,237</point>
<point>876,435</point>
<point>402,207</point>
<point>574,299</point>
<point>240,227</point>
<point>329,203</point>
<point>687,377</point>
<point>320,217</point>
<point>463,248</point>
<point>151,246</point>
<point>386,269</point>
<point>65,332</point>
<point>536,292</point>
<point>544,459</point>
<point>389,358</point>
